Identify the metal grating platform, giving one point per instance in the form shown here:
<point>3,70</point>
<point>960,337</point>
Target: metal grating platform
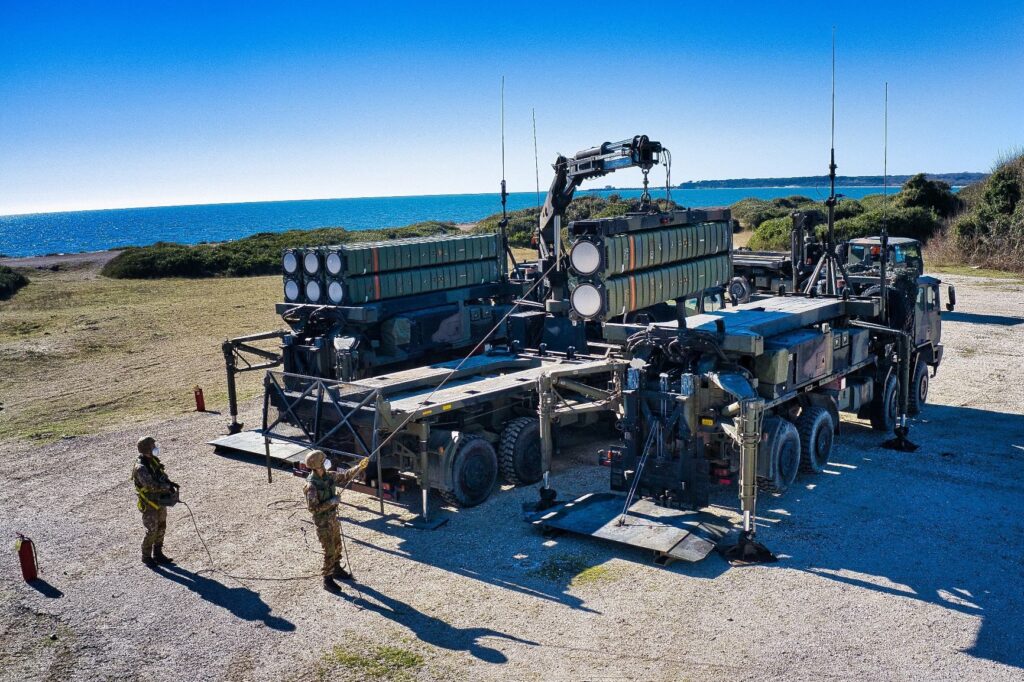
<point>672,534</point>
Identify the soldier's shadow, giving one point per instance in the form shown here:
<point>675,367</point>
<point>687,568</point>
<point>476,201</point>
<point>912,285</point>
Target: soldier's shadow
<point>433,630</point>
<point>240,601</point>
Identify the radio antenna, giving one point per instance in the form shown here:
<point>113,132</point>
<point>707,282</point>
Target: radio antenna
<point>536,165</point>
<point>883,255</point>
<point>829,261</point>
<point>503,224</point>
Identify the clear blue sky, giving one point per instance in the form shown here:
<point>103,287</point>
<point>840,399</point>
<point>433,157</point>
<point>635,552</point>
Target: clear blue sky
<point>152,103</point>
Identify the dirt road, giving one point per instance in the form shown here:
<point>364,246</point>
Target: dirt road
<point>894,566</point>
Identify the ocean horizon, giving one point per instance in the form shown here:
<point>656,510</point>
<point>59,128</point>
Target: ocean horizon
<point>37,234</point>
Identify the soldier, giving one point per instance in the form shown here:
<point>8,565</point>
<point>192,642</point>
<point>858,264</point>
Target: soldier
<point>322,500</point>
<point>152,488</point>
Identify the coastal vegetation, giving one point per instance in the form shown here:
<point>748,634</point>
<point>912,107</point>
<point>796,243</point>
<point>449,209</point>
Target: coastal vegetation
<point>821,181</point>
<point>989,231</point>
<point>918,210</point>
<point>10,281</point>
<point>259,254</point>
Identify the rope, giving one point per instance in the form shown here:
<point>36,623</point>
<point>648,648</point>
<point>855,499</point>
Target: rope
<point>216,569</point>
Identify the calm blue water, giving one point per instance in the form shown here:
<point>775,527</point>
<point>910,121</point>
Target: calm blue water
<point>43,233</point>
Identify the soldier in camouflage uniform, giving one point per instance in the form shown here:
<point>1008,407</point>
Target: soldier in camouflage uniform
<point>152,488</point>
<point>321,492</point>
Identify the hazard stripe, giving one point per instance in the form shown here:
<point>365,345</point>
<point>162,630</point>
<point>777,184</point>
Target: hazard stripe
<point>632,292</point>
<point>376,259</point>
<point>632,252</point>
<point>376,281</point>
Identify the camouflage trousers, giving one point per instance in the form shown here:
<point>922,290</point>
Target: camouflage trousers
<point>329,533</point>
<point>155,522</point>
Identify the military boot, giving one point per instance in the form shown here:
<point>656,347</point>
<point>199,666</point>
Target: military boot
<point>159,556</point>
<point>341,574</point>
<point>148,560</point>
<point>330,585</point>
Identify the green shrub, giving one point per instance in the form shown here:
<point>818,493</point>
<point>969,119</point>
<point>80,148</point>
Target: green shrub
<point>10,282</point>
<point>751,212</point>
<point>933,195</point>
<point>259,254</point>
<point>914,222</point>
<point>772,235</point>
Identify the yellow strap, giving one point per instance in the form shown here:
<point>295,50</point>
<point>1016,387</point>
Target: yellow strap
<point>145,499</point>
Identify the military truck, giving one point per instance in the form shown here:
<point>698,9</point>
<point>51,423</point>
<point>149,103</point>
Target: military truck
<point>628,324</point>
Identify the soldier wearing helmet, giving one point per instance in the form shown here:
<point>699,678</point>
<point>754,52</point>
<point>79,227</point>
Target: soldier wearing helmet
<point>155,492</point>
<point>321,492</point>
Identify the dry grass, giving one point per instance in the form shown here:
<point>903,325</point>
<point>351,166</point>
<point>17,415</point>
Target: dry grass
<point>82,353</point>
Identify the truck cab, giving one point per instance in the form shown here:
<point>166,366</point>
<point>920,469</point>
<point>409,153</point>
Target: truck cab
<point>865,253</point>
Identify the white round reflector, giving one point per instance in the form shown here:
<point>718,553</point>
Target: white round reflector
<point>335,292</point>
<point>313,290</point>
<point>586,300</point>
<point>311,263</point>
<point>334,262</point>
<point>585,258</point>
<point>291,290</point>
<point>290,262</point>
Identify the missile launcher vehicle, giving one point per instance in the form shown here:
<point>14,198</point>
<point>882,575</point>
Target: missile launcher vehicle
<point>448,382</point>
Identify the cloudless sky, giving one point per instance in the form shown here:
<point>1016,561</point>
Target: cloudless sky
<point>152,103</point>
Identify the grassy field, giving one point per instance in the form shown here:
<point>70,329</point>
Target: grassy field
<point>82,353</point>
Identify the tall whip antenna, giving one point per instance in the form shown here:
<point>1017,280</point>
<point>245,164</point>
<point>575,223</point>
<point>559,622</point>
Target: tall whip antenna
<point>885,156</point>
<point>831,203</point>
<point>536,165</point>
<point>503,225</point>
<point>883,256</point>
<point>829,261</point>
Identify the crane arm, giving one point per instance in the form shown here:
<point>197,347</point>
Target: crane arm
<point>639,151</point>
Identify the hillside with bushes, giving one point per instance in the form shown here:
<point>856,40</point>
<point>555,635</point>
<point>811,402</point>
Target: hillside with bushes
<point>10,281</point>
<point>918,210</point>
<point>259,254</point>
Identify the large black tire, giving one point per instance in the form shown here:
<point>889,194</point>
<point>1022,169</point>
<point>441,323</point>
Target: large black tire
<point>474,472</point>
<point>816,433</point>
<point>884,405</point>
<point>918,388</point>
<point>519,451</point>
<point>784,449</point>
<point>740,289</point>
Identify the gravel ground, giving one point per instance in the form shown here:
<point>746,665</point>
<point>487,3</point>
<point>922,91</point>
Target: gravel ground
<point>894,566</point>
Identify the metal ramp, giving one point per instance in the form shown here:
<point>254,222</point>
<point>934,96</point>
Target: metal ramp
<point>672,534</point>
<point>251,443</point>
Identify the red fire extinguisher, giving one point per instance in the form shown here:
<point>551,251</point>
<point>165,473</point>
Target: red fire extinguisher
<point>200,402</point>
<point>27,556</point>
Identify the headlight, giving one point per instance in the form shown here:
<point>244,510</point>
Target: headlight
<point>333,263</point>
<point>291,290</point>
<point>335,292</point>
<point>290,263</point>
<point>313,291</point>
<point>311,262</point>
<point>585,258</point>
<point>586,300</point>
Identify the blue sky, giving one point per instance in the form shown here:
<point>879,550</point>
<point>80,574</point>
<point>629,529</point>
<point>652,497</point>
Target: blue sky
<point>137,104</point>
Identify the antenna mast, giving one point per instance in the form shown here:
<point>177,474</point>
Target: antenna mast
<point>536,165</point>
<point>883,255</point>
<point>829,261</point>
<point>503,224</point>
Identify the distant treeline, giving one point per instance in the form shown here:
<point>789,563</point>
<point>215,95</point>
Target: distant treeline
<point>952,179</point>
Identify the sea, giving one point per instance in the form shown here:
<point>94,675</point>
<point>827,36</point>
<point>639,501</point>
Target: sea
<point>40,234</point>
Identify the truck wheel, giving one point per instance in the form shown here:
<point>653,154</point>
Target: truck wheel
<point>918,388</point>
<point>519,452</point>
<point>884,407</point>
<point>816,431</point>
<point>740,289</point>
<point>474,473</point>
<point>784,447</point>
